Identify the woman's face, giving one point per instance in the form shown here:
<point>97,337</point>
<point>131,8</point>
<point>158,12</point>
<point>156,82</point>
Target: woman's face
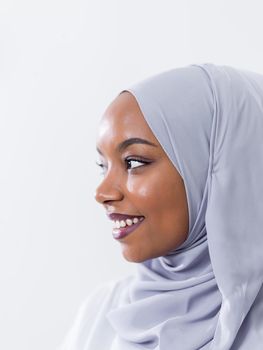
<point>140,180</point>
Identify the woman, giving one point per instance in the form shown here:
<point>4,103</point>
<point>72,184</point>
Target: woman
<point>182,160</point>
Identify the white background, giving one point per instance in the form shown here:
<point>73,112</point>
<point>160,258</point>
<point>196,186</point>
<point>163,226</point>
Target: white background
<point>61,64</point>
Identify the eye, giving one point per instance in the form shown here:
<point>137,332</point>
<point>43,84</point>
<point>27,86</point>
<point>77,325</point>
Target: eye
<point>129,162</point>
<point>102,166</point>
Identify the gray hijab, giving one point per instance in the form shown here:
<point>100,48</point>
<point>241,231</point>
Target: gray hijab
<point>208,293</point>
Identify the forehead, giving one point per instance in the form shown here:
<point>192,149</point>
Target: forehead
<point>123,119</point>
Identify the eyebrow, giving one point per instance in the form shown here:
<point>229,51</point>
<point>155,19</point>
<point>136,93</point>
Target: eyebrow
<point>128,142</point>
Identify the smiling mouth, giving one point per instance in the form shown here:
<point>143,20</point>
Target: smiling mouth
<point>120,231</point>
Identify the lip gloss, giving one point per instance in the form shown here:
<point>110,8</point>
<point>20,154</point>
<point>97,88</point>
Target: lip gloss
<point>122,232</point>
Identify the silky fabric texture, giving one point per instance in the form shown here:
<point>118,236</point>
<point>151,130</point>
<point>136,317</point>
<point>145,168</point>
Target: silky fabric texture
<point>207,293</point>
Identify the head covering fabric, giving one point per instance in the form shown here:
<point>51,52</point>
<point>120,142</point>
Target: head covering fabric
<point>207,293</point>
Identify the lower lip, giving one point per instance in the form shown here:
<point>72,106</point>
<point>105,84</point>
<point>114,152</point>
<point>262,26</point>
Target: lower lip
<point>122,232</point>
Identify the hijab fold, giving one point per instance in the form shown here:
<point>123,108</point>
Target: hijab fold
<point>207,293</point>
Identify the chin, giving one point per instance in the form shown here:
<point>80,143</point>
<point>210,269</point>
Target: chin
<point>135,257</point>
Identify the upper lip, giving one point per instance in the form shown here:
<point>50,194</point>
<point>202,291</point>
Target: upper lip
<point>118,216</point>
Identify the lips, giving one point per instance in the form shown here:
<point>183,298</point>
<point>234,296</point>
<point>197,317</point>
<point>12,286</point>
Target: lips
<point>121,232</point>
<point>118,216</point>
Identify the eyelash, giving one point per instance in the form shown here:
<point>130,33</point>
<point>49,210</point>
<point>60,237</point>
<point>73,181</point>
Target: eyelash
<point>127,160</point>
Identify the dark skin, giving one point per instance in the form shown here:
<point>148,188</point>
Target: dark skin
<point>150,186</point>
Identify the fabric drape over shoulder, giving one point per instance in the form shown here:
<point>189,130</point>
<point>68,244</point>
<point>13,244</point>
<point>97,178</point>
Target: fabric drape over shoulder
<point>206,294</point>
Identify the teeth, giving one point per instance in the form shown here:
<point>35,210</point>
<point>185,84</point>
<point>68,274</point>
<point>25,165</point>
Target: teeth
<point>127,222</point>
<point>123,223</point>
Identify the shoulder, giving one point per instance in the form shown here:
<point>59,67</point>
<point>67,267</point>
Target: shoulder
<point>90,318</point>
<point>106,294</point>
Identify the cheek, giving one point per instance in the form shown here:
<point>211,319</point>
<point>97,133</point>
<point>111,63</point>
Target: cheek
<point>150,193</point>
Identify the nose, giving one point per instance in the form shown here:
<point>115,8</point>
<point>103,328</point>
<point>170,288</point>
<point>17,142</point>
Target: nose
<point>108,190</point>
